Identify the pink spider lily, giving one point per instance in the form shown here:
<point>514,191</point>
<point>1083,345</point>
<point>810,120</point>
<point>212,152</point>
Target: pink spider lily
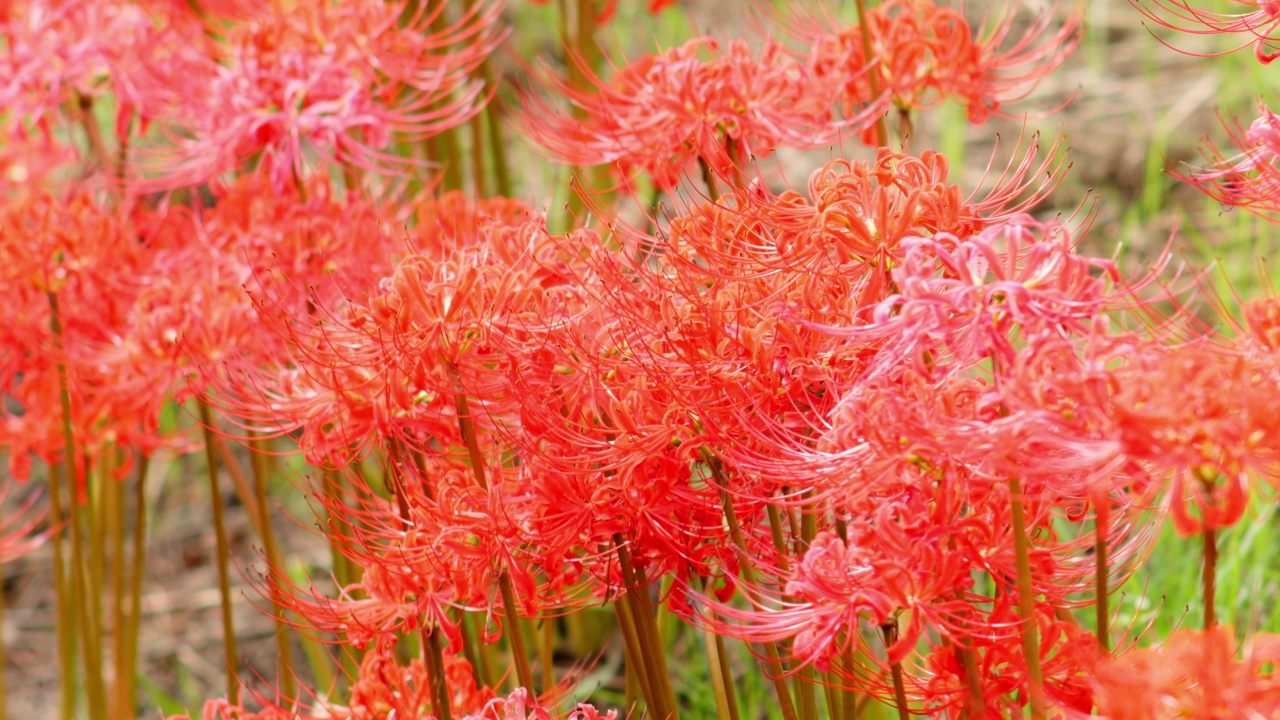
<point>1258,23</point>
<point>339,81</point>
<point>1249,179</point>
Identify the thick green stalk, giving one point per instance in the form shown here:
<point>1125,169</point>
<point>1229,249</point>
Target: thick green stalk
<point>1027,602</point>
<point>223,559</point>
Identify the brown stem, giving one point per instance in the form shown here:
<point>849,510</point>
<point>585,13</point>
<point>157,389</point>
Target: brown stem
<point>890,631</point>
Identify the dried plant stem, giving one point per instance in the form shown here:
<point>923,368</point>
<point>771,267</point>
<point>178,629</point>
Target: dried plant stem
<point>284,649</point>
<point>1026,602</point>
<point>890,632</point>
<point>223,551</point>
<point>873,74</point>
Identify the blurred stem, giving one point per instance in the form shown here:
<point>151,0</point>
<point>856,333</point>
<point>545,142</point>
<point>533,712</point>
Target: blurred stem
<point>709,177</point>
<point>748,574</point>
<point>66,624</point>
<point>334,497</point>
<point>546,650</point>
<point>890,632</point>
<point>514,635</point>
<point>1102,523</point>
<point>224,554</point>
<point>444,146</point>
<point>1026,602</point>
<point>93,133</point>
<point>127,665</point>
<point>905,126</point>
<point>113,510</point>
<point>433,661</point>
<point>873,73</point>
<point>275,559</point>
<point>718,667</point>
<point>76,597</point>
<point>636,673</point>
<point>497,144</point>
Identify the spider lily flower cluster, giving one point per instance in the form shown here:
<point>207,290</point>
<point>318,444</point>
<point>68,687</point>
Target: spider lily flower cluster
<point>886,435</point>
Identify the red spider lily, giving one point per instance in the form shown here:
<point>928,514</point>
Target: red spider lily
<point>1193,675</point>
<point>1258,23</point>
<point>341,80</point>
<point>1249,179</point>
<point>388,363</point>
<point>87,260</point>
<point>382,689</point>
<point>697,101</point>
<point>925,53</point>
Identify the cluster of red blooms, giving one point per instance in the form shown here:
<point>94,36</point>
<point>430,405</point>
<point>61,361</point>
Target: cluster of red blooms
<point>701,101</point>
<point>888,433</point>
